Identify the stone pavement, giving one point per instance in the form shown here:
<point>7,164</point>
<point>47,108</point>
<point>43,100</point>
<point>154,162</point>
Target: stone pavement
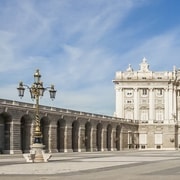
<point>146,165</point>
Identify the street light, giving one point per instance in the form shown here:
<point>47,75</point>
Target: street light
<point>36,91</point>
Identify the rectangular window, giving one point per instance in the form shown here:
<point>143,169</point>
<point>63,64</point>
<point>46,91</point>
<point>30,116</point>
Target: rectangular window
<point>144,115</point>
<point>158,139</point>
<point>128,115</point>
<point>144,91</point>
<point>144,101</point>
<point>159,114</point>
<point>129,92</point>
<point>178,92</point>
<point>159,92</point>
<point>143,147</point>
<point>158,147</point>
<point>143,139</point>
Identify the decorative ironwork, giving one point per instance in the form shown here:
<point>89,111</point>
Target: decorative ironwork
<point>36,91</point>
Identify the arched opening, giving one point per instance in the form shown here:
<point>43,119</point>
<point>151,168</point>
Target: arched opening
<point>88,136</point>
<point>99,136</point>
<point>5,133</point>
<point>45,132</point>
<point>118,137</point>
<point>26,125</point>
<point>109,133</point>
<point>61,135</point>
<point>75,136</point>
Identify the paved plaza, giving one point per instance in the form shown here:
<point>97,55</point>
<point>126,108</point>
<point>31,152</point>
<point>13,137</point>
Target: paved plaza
<point>125,165</point>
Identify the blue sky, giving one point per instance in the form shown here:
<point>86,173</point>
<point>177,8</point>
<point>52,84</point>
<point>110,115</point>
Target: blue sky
<point>79,45</point>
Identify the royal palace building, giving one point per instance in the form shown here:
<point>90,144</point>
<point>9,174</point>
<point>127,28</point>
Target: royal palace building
<point>152,99</point>
<point>147,116</point>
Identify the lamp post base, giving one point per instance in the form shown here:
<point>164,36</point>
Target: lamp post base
<point>37,154</point>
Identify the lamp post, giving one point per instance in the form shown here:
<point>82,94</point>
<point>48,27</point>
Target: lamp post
<point>36,91</point>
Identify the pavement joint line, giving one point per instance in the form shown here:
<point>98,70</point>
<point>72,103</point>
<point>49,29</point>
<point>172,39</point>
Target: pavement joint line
<point>96,163</point>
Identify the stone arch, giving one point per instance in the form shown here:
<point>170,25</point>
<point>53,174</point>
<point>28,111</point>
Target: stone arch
<point>99,137</point>
<point>118,137</point>
<point>75,136</point>
<point>5,134</point>
<point>88,136</point>
<point>109,137</point>
<point>45,123</point>
<point>26,133</point>
<point>61,125</point>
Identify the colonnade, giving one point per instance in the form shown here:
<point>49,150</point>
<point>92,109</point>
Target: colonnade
<point>64,132</point>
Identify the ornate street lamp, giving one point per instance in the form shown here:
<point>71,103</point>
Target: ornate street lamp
<point>36,91</point>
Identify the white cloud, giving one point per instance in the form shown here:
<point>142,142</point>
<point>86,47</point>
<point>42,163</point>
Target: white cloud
<point>72,43</point>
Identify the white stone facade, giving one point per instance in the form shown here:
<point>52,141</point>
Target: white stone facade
<point>153,99</point>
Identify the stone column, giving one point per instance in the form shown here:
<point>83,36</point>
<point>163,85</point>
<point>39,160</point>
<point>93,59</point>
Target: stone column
<point>91,140</point>
<point>94,138</point>
<point>65,139</point>
<point>119,103</point>
<point>79,139</point>
<point>175,104</point>
<point>170,105</point>
<point>166,106</point>
<point>103,139</point>
<point>151,106</point>
<point>136,104</point>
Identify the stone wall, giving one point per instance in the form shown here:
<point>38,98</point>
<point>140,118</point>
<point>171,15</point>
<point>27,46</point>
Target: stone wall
<point>63,130</point>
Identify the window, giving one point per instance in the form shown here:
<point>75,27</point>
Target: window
<point>158,138</point>
<point>128,114</point>
<point>178,92</point>
<point>129,92</point>
<point>143,139</point>
<point>144,101</point>
<point>159,92</point>
<point>159,115</point>
<point>159,101</point>
<point>144,92</point>
<point>129,101</point>
<point>144,115</point>
<point>143,147</point>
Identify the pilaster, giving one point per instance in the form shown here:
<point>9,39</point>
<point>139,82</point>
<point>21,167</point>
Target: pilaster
<point>119,104</point>
<point>136,104</point>
<point>171,103</point>
<point>166,106</point>
<point>151,106</point>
